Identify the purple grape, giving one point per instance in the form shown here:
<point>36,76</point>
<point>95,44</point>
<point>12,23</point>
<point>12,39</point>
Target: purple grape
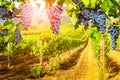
<point>96,17</point>
<point>26,12</point>
<point>114,33</point>
<point>5,14</point>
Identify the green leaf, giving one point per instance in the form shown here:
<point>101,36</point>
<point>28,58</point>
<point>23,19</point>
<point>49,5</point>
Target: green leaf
<point>1,2</point>
<point>9,5</point>
<point>86,2</point>
<point>45,45</point>
<point>76,25</point>
<point>102,1</point>
<point>117,1</point>
<point>1,39</point>
<point>71,6</point>
<point>12,37</point>
<point>69,13</point>
<point>6,39</point>
<point>8,24</point>
<point>93,3</point>
<point>19,26</point>
<point>106,5</point>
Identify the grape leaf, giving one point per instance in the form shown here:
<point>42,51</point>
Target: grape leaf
<point>19,25</point>
<point>102,1</point>
<point>93,3</point>
<point>8,24</point>
<point>6,39</point>
<point>117,1</point>
<point>1,2</point>
<point>86,2</point>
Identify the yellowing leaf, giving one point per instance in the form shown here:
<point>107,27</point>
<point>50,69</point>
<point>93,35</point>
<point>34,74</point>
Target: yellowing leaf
<point>86,2</point>
<point>93,2</point>
<point>70,6</point>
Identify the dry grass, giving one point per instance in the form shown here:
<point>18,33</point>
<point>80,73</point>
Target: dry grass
<point>114,56</point>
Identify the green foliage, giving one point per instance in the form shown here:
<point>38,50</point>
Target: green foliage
<point>8,38</point>
<point>9,48</point>
<point>114,10</point>
<point>57,44</point>
<point>106,5</point>
<point>37,71</point>
<point>107,43</point>
<point>7,44</point>
<point>22,47</point>
<point>110,7</point>
<point>73,10</point>
<point>118,42</point>
<point>52,44</point>
<point>9,25</point>
<point>36,48</point>
<point>96,36</point>
<point>8,3</point>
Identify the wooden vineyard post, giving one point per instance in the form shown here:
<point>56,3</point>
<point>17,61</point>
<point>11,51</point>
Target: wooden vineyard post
<point>102,51</point>
<point>8,56</point>
<point>41,53</point>
<point>102,57</point>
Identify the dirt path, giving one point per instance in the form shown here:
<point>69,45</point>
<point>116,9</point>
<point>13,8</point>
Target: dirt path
<point>86,67</point>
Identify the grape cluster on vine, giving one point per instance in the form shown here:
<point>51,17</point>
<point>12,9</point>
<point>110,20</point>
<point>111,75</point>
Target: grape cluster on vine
<point>27,13</point>
<point>6,14</point>
<point>114,33</point>
<point>95,15</point>
<point>54,13</point>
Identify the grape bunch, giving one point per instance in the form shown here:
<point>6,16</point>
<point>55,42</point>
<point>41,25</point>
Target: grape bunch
<point>96,16</point>
<point>26,15</point>
<point>54,13</point>
<point>18,35</point>
<point>84,18</point>
<point>5,14</point>
<point>114,33</point>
